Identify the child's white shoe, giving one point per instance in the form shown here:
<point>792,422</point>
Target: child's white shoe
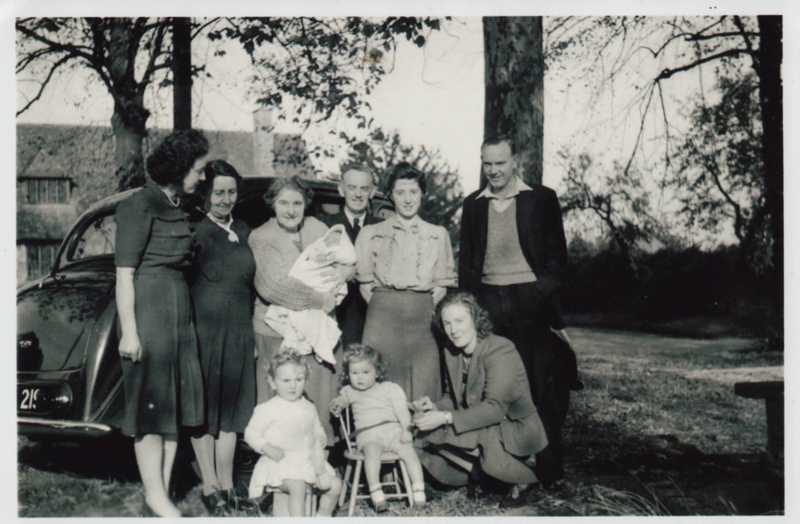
<point>419,496</point>
<point>378,500</point>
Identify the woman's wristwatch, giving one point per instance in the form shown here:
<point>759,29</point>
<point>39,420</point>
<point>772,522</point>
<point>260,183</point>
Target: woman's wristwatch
<point>448,415</point>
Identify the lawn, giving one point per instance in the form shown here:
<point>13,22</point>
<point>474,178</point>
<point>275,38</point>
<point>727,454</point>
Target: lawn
<point>657,430</point>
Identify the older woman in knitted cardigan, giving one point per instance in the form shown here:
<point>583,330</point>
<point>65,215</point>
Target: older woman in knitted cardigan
<point>276,245</point>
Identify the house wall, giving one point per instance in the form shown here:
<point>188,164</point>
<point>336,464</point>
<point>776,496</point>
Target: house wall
<point>22,264</point>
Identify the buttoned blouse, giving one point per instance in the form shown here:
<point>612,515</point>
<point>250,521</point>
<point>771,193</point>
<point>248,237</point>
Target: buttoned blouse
<point>152,234</point>
<point>413,255</point>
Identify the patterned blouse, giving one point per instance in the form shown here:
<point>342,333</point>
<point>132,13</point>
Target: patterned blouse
<point>414,256</point>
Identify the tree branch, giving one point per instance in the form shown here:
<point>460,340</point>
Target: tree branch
<point>681,33</point>
<point>97,29</point>
<point>641,128</point>
<point>74,50</point>
<point>45,82</point>
<point>699,37</point>
<point>666,124</point>
<point>155,52</point>
<point>28,58</point>
<point>737,209</point>
<point>669,72</point>
<point>748,44</point>
<point>203,26</point>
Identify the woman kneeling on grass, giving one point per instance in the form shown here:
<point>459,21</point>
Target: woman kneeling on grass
<point>486,422</point>
<point>286,431</point>
<point>382,419</point>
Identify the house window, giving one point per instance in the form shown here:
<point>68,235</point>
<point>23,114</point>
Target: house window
<point>47,190</point>
<point>40,258</point>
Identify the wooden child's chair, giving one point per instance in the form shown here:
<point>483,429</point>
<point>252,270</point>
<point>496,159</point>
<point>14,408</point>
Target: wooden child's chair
<point>280,502</point>
<point>400,483</point>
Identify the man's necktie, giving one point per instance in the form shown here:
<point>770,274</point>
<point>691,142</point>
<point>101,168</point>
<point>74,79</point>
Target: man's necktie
<point>356,226</point>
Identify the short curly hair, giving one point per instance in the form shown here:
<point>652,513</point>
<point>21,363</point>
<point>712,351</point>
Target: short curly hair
<point>405,171</point>
<point>483,325</point>
<point>172,159</point>
<point>356,352</point>
<point>294,183</point>
<point>281,358</point>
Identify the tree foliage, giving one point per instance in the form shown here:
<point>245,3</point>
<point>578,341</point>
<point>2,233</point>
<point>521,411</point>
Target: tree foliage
<point>728,166</point>
<point>645,52</point>
<point>125,54</point>
<point>322,64</point>
<point>719,164</point>
<point>616,199</point>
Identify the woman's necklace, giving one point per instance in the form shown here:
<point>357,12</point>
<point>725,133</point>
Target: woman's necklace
<point>175,200</point>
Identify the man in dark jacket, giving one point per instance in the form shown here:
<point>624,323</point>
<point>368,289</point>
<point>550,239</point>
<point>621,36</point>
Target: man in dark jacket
<point>357,186</point>
<point>512,257</point>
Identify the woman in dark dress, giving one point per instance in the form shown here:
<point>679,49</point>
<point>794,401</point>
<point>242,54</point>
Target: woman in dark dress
<point>161,374</point>
<point>222,294</point>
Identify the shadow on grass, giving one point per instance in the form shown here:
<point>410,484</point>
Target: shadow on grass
<point>110,458</point>
<point>678,478</point>
<point>107,458</point>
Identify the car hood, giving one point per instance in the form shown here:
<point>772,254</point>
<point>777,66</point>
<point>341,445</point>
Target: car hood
<point>56,319</point>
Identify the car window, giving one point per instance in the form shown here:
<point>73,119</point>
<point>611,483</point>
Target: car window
<point>95,240</point>
<point>330,208</point>
<point>384,212</point>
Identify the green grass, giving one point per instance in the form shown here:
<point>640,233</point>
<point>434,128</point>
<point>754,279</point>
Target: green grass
<point>642,439</point>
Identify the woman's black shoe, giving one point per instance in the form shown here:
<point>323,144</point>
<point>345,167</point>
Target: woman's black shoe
<point>215,503</point>
<point>474,480</point>
<point>231,499</point>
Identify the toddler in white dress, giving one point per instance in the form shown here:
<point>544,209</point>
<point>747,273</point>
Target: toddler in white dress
<point>287,432</point>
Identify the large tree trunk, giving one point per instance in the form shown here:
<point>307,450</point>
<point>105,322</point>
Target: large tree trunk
<point>514,66</point>
<point>770,59</point>
<point>128,125</point>
<point>182,73</point>
<point>129,121</point>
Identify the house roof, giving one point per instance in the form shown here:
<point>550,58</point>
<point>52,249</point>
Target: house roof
<point>62,151</point>
<point>85,154</point>
<point>48,150</point>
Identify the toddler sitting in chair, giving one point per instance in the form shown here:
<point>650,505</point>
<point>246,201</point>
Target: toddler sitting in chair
<point>382,419</point>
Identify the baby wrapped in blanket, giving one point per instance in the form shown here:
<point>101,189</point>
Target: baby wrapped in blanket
<point>313,329</point>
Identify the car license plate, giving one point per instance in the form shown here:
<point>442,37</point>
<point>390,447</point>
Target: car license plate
<point>29,398</point>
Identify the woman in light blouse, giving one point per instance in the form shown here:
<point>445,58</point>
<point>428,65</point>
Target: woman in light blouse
<point>404,266</point>
<point>276,245</point>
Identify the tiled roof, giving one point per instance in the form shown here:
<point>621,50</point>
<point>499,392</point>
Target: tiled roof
<point>85,154</point>
<point>47,150</point>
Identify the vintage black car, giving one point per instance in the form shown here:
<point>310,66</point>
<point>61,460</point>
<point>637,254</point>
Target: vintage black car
<point>68,369</point>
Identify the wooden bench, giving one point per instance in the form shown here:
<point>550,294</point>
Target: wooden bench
<point>772,393</point>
